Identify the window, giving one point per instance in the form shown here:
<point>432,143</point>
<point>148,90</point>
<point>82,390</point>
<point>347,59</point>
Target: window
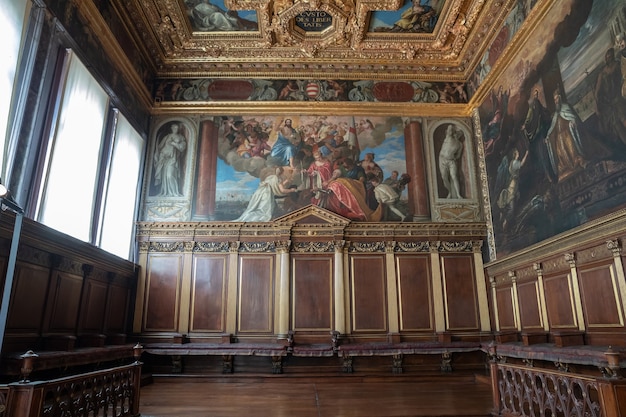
<point>121,194</point>
<point>67,203</point>
<point>87,192</point>
<point>11,21</point>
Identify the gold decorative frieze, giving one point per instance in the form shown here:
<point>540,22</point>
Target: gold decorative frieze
<point>166,247</point>
<point>413,246</point>
<point>211,247</point>
<point>366,247</point>
<point>257,247</point>
<point>314,247</point>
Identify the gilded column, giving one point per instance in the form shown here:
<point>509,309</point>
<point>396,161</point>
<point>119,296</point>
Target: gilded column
<point>578,305</point>
<point>340,304</point>
<point>392,289</point>
<point>416,168</point>
<point>542,297</point>
<point>207,158</point>
<point>231,297</point>
<point>438,293</point>
<point>615,248</point>
<point>284,299</point>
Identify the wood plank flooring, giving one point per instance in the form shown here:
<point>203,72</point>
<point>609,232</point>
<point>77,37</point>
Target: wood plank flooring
<point>315,397</point>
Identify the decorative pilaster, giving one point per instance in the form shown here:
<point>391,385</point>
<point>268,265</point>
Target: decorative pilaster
<point>571,259</point>
<point>481,286</point>
<point>233,273</point>
<point>615,247</point>
<point>437,283</point>
<point>515,300</point>
<point>542,297</point>
<point>392,288</point>
<point>340,305</point>
<point>185,288</point>
<point>284,300</point>
<point>494,295</point>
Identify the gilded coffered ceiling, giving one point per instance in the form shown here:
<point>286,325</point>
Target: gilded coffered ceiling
<point>437,40</point>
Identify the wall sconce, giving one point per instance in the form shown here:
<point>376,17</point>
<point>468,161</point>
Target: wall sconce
<point>8,203</point>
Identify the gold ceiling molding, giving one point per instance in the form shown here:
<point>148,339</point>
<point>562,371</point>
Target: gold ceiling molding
<point>313,108</point>
<point>282,49</point>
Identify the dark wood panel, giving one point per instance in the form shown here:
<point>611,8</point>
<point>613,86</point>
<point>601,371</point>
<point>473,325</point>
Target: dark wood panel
<point>597,284</point>
<point>530,313</point>
<point>208,293</point>
<point>312,292</point>
<point>559,302</point>
<point>31,283</point>
<point>460,289</point>
<point>369,295</point>
<point>506,312</point>
<point>65,302</point>
<point>415,293</point>
<point>94,307</point>
<point>162,295</point>
<point>118,308</point>
<point>256,294</point>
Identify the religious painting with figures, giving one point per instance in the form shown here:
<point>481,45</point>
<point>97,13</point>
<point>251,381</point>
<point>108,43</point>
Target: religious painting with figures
<point>554,127</point>
<point>268,166</point>
<point>213,16</point>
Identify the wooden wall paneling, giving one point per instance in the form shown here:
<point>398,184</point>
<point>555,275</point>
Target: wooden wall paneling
<point>162,295</point>
<point>94,304</point>
<point>368,292</point>
<point>415,293</point>
<point>25,319</point>
<point>600,297</point>
<point>118,309</point>
<point>506,308</point>
<point>256,294</point>
<point>208,293</point>
<point>64,303</point>
<point>530,305</point>
<point>461,298</point>
<point>560,303</point>
<point>312,286</point>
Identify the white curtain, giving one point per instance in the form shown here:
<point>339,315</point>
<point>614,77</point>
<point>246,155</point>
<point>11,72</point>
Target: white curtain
<point>67,203</point>
<point>12,17</point>
<point>122,190</point>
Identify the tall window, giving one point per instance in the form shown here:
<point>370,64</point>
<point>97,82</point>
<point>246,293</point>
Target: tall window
<point>12,15</point>
<point>92,169</point>
<point>122,190</point>
<point>68,198</point>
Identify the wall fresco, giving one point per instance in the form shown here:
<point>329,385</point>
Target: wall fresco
<point>553,128</point>
<point>269,166</point>
<point>415,16</point>
<point>205,89</point>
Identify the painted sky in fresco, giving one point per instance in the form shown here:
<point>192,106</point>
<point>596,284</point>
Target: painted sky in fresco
<point>386,19</point>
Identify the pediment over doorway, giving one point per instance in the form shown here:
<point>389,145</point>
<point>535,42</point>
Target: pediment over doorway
<point>312,215</point>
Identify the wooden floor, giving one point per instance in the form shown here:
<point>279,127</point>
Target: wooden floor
<point>394,396</point>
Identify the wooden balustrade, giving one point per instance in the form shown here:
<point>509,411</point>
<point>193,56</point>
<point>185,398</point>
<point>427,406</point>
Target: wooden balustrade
<point>111,392</point>
<point>522,390</point>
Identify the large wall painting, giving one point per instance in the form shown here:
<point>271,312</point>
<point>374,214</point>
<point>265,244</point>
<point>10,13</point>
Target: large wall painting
<point>553,128</point>
<point>269,166</point>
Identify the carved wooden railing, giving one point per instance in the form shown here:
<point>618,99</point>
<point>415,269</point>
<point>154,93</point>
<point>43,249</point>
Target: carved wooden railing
<point>111,392</point>
<point>4,392</point>
<point>528,391</point>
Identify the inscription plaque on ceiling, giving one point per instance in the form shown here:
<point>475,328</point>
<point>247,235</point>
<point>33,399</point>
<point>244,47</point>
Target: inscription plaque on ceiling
<point>313,20</point>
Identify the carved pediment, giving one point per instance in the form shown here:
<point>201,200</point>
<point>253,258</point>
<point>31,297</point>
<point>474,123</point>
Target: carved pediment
<point>312,215</point>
